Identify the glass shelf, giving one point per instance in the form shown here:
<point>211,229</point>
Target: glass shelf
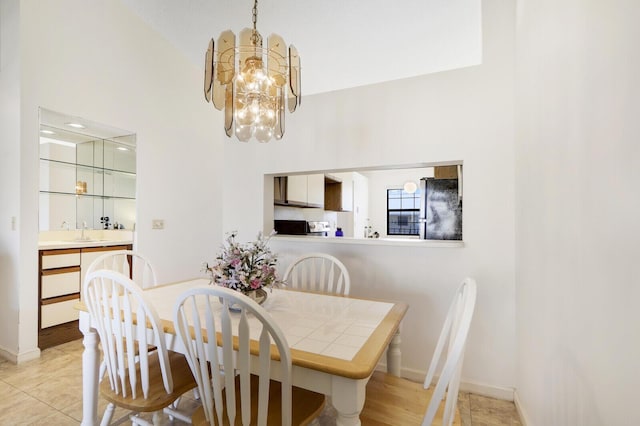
<point>88,195</point>
<point>84,166</point>
<point>85,175</point>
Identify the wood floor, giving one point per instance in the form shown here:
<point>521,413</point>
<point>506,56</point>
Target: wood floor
<point>48,391</point>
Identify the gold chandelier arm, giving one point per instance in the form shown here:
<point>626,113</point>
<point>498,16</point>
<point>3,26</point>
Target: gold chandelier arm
<point>208,71</point>
<point>295,94</point>
<point>228,110</point>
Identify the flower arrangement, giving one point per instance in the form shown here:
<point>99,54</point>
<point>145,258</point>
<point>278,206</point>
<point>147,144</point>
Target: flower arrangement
<point>244,267</point>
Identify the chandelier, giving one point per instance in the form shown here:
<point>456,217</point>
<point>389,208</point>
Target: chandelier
<point>252,83</point>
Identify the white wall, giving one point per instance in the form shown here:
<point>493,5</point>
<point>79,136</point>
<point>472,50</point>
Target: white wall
<point>98,61</point>
<point>9,173</point>
<point>465,114</point>
<point>578,210</point>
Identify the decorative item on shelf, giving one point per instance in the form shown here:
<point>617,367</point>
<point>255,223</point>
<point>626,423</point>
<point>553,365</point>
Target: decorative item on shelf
<point>253,87</point>
<point>105,222</point>
<point>339,232</point>
<point>81,187</point>
<point>248,268</point>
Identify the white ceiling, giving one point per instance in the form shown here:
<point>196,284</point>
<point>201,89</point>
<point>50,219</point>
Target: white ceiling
<point>342,43</point>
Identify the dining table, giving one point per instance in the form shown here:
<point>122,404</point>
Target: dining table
<point>336,342</point>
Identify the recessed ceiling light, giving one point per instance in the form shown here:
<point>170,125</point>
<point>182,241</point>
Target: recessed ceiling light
<point>47,132</point>
<point>75,125</point>
<point>122,148</point>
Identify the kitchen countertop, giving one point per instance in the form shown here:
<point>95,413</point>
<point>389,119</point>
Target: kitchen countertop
<point>52,245</point>
<point>403,242</point>
<point>52,240</point>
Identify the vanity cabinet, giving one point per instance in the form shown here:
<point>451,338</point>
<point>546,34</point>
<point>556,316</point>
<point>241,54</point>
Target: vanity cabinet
<point>61,273</point>
<point>90,254</point>
<point>59,286</point>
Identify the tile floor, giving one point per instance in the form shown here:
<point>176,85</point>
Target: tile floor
<point>48,391</point>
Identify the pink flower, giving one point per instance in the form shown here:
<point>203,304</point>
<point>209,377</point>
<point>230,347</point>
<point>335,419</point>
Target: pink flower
<point>255,283</point>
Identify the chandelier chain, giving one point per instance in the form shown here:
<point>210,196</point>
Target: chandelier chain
<point>255,14</point>
<point>256,38</point>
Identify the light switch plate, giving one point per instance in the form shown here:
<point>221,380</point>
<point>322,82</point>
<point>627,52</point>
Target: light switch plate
<point>157,224</point>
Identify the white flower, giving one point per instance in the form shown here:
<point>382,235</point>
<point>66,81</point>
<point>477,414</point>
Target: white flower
<point>245,267</point>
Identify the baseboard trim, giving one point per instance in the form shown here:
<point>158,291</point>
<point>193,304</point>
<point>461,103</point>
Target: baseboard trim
<point>524,419</point>
<point>491,391</point>
<point>18,358</point>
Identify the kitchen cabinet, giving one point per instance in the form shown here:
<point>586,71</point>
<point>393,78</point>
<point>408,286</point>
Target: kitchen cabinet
<point>61,273</point>
<point>299,190</point>
<point>338,192</point>
<point>445,172</point>
<point>315,190</point>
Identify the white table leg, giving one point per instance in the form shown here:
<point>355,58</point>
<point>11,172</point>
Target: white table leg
<point>347,396</point>
<point>394,355</point>
<point>90,360</point>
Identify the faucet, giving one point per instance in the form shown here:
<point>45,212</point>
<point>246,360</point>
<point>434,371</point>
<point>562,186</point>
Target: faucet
<point>84,226</point>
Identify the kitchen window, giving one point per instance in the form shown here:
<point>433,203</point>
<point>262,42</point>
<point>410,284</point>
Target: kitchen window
<point>403,212</point>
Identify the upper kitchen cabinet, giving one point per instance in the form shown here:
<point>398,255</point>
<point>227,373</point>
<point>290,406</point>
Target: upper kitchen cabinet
<point>296,190</point>
<point>87,174</point>
<point>338,192</point>
<point>315,190</point>
<point>299,190</point>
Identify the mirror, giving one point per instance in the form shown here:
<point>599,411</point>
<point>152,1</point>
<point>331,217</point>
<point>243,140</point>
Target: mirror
<point>422,201</point>
<point>87,174</point>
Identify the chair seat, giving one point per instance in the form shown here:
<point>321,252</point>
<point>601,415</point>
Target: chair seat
<point>158,397</point>
<point>306,404</point>
<point>396,401</point>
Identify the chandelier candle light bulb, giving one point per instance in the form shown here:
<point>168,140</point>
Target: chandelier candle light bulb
<point>252,83</point>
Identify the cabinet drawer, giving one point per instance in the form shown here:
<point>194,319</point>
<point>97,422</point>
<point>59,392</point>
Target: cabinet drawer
<point>64,259</point>
<point>58,313</point>
<point>59,284</point>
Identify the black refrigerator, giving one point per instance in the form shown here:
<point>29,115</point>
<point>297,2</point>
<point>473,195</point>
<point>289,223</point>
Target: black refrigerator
<point>440,209</point>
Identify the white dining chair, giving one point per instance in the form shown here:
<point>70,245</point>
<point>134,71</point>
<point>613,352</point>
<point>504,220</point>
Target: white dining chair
<point>139,380</point>
<point>220,345</point>
<point>319,272</point>
<point>392,400</point>
<point>129,263</point>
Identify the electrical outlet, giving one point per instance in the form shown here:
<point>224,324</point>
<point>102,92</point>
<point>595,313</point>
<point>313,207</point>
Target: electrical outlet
<point>13,223</point>
<point>157,224</point>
